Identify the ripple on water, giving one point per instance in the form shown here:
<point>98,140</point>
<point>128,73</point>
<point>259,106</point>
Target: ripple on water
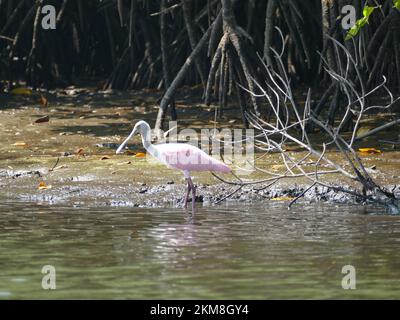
<point>222,252</point>
<point>4,294</point>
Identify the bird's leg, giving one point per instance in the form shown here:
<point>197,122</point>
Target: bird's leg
<point>187,193</point>
<point>193,194</point>
<point>193,198</point>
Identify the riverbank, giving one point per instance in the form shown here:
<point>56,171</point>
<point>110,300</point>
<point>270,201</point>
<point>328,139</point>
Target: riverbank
<point>137,185</point>
<point>63,151</point>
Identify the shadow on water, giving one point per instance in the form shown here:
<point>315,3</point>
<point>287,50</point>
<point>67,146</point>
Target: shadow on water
<point>237,252</point>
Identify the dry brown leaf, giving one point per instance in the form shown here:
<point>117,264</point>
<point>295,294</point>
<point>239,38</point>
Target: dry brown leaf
<point>124,163</point>
<point>20,144</point>
<point>21,91</point>
<point>140,155</point>
<point>60,167</point>
<point>43,186</point>
<point>282,199</point>
<point>277,166</point>
<point>369,150</point>
<point>80,152</point>
<point>43,100</point>
<point>105,158</point>
<point>43,119</point>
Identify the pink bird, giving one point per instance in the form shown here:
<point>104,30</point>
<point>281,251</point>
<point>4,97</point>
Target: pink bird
<point>181,156</point>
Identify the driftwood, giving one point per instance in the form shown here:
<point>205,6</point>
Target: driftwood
<point>273,135</point>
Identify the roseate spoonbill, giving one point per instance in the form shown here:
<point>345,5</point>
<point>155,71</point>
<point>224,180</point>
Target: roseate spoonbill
<point>181,156</point>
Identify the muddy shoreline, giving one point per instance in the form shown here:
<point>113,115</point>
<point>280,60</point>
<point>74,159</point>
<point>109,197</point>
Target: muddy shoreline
<point>92,189</point>
<point>71,155</point>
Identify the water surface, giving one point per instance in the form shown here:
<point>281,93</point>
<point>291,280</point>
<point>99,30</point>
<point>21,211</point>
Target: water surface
<point>224,252</point>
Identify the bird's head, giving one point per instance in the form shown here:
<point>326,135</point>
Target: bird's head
<point>141,127</point>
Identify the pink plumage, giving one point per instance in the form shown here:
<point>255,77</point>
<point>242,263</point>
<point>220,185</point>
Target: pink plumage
<point>183,156</point>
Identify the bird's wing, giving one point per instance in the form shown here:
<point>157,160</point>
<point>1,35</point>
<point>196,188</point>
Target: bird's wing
<point>185,156</point>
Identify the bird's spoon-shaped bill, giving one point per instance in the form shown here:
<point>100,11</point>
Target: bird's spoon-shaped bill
<point>119,150</point>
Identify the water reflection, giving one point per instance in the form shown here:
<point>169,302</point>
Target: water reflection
<point>262,251</point>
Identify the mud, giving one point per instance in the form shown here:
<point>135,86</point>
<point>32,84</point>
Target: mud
<point>73,155</point>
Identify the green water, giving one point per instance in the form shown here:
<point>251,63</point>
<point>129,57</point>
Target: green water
<point>235,252</point>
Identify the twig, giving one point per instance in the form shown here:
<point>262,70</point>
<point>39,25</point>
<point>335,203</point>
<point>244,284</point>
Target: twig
<point>300,195</point>
<point>229,195</point>
<point>378,129</point>
<point>55,165</point>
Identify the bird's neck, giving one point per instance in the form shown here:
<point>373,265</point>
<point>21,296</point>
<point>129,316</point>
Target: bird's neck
<point>146,140</point>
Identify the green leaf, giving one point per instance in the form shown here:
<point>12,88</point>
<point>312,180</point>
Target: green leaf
<point>396,4</point>
<point>352,32</point>
<point>367,11</point>
<point>356,28</point>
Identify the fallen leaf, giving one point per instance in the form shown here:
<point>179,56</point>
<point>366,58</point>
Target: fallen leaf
<point>43,186</point>
<point>80,152</point>
<point>43,100</point>
<point>130,152</point>
<point>140,155</point>
<point>276,167</point>
<point>369,150</point>
<point>43,119</point>
<point>20,144</point>
<point>282,199</point>
<point>60,167</point>
<point>105,158</point>
<point>123,163</point>
<point>21,91</point>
